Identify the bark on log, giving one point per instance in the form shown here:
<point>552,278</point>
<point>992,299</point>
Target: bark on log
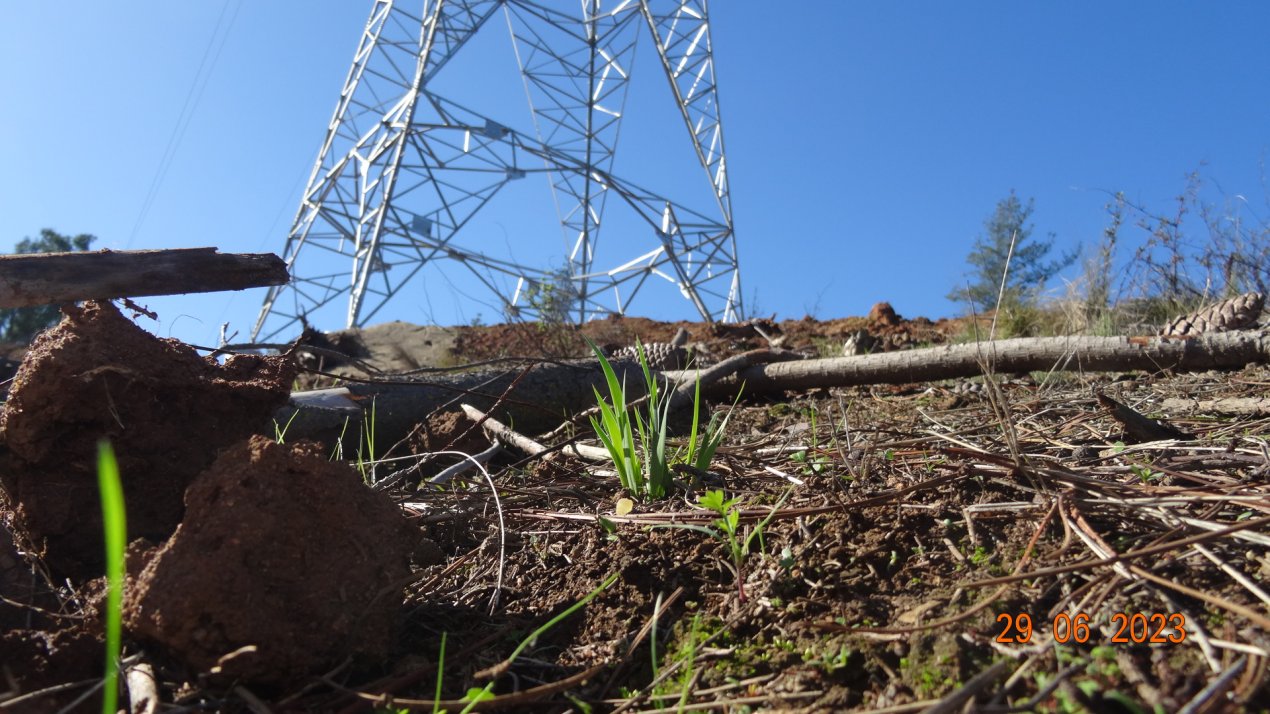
<point>1230,406</point>
<point>539,400</point>
<point>1226,350</point>
<point>549,393</point>
<point>47,278</point>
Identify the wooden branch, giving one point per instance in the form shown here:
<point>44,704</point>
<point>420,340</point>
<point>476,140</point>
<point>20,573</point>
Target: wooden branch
<point>687,378</point>
<point>524,444</point>
<point>1223,350</point>
<point>552,391</point>
<point>48,278</point>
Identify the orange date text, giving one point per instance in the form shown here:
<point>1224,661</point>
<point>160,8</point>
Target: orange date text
<point>1125,628</point>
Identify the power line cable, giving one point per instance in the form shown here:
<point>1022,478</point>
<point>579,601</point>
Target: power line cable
<point>192,99</point>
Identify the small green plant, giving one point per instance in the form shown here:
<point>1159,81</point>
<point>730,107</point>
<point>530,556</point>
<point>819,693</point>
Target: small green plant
<point>366,447</point>
<point>727,529</point>
<point>652,432</point>
<point>829,660</point>
<point>115,526</point>
<point>436,701</point>
<point>645,472</point>
<point>616,431</point>
<point>811,465</point>
<point>980,557</point>
<point>280,430</point>
<point>685,655</point>
<point>701,453</point>
<point>1145,474</point>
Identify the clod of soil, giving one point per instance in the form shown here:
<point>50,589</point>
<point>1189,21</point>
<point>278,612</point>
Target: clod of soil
<point>285,564</point>
<point>32,660</point>
<point>450,431</point>
<point>167,411</point>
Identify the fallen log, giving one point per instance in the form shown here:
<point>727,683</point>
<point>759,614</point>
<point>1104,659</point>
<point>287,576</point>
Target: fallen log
<point>49,278</point>
<point>1223,350</point>
<point>538,399</point>
<point>532,399</point>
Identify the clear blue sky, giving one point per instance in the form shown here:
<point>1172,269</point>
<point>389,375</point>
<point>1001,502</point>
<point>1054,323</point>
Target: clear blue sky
<point>867,141</point>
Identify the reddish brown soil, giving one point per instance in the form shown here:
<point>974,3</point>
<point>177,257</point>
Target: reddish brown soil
<point>35,660</point>
<point>714,341</point>
<point>887,524</point>
<point>281,550</point>
<point>166,410</point>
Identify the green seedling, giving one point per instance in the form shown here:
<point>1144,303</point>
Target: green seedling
<point>649,476</point>
<point>652,432</point>
<point>436,702</point>
<point>700,452</point>
<point>689,657</point>
<point>115,526</point>
<point>727,530</point>
<point>644,469</point>
<point>1145,474</point>
<point>683,657</point>
<point>280,430</point>
<point>615,430</point>
<point>811,465</point>
<point>366,447</point>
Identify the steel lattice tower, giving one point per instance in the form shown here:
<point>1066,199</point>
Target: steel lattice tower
<point>403,170</point>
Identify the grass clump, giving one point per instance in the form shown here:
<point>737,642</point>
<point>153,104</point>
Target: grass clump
<point>616,431</point>
<point>645,469</point>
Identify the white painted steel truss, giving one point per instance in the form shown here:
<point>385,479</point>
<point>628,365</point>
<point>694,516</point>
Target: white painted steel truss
<point>403,170</point>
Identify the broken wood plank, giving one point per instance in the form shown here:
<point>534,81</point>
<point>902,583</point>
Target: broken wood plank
<point>50,278</point>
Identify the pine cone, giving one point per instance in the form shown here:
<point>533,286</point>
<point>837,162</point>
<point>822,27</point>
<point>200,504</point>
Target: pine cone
<point>1236,313</point>
<point>661,355</point>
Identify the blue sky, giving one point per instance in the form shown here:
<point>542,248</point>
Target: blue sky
<point>867,142</point>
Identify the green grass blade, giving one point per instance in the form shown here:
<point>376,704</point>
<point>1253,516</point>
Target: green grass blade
<point>436,702</point>
<point>716,430</point>
<point>696,419</point>
<point>115,526</point>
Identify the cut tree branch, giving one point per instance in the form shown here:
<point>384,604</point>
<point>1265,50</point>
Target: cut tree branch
<point>1223,350</point>
<point>50,278</point>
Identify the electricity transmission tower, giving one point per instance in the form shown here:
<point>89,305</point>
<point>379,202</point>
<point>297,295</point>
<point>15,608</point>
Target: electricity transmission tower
<point>403,170</point>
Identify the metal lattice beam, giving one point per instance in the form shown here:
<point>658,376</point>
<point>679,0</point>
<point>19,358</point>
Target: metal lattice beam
<point>403,170</point>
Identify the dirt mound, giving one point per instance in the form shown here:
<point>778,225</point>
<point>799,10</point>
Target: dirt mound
<point>280,550</point>
<point>890,331</point>
<point>167,411</point>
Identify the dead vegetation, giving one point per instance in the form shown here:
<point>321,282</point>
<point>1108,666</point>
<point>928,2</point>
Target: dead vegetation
<point>1004,543</point>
